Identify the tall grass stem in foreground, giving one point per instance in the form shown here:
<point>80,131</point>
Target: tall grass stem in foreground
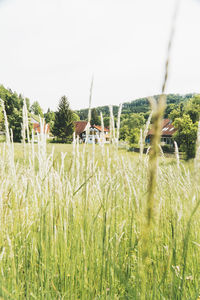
<point>149,231</point>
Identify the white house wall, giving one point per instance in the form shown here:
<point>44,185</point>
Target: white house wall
<point>95,136</point>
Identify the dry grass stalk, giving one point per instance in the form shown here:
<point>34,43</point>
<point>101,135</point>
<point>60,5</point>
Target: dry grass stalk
<point>25,120</point>
<point>152,201</point>
<point>147,126</point>
<point>112,125</point>
<point>25,127</point>
<point>161,151</point>
<point>89,110</point>
<point>102,140</point>
<point>153,160</point>
<point>148,226</point>
<point>158,111</point>
<point>5,122</point>
<point>197,156</point>
<point>177,155</point>
<point>9,142</point>
<point>141,143</point>
<point>144,135</point>
<point>118,123</point>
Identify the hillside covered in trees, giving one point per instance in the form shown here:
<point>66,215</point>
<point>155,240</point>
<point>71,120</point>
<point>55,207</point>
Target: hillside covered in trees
<point>183,110</point>
<point>138,106</point>
<point>134,114</point>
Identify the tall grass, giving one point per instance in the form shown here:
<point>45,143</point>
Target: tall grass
<point>71,227</point>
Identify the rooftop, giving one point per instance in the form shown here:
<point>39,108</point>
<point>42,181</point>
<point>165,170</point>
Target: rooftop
<point>167,128</point>
<point>80,126</point>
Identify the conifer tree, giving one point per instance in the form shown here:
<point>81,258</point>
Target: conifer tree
<point>64,124</point>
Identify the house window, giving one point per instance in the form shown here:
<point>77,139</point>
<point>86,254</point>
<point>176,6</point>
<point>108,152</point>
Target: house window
<point>163,140</point>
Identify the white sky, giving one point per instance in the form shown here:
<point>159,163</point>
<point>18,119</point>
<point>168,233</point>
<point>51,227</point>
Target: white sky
<point>49,48</point>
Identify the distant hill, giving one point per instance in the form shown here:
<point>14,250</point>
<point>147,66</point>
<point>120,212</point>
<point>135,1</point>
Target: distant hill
<point>136,106</point>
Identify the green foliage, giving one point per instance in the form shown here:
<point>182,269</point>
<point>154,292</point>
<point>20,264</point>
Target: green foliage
<point>2,126</point>
<point>175,113</point>
<point>134,136</point>
<point>185,117</point>
<point>169,109</point>
<point>124,132</point>
<point>95,119</point>
<point>137,106</point>
<point>13,106</point>
<point>130,127</point>
<point>64,123</point>
<point>75,117</point>
<point>15,120</point>
<point>106,121</point>
<point>134,120</point>
<point>50,118</point>
<point>167,149</point>
<point>194,114</point>
<point>192,108</point>
<point>36,109</point>
<point>135,114</point>
<point>186,135</point>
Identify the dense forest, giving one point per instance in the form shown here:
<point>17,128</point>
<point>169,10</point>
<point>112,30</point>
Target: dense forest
<point>137,106</point>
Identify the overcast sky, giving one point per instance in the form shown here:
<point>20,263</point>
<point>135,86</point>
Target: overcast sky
<point>50,48</point>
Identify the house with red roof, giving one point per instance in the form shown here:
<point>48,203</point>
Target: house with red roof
<point>167,133</point>
<point>95,132</point>
<point>35,121</point>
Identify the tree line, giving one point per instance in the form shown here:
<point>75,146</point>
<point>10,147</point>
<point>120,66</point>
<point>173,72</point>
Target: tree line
<point>61,122</point>
<point>183,110</point>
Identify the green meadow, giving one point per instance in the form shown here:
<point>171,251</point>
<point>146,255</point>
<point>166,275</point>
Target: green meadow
<point>74,225</point>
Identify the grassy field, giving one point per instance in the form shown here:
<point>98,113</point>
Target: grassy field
<point>74,226</point>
